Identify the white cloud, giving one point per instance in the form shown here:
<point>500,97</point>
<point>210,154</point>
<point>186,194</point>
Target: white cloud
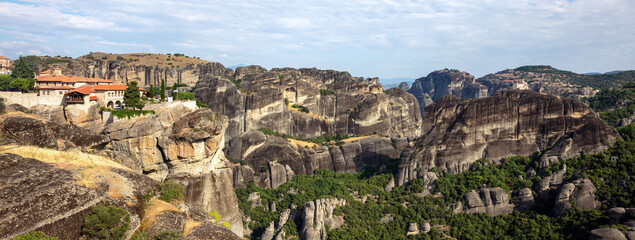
<point>483,36</point>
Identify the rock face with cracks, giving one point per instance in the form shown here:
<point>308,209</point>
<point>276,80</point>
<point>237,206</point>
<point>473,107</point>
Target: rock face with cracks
<point>337,103</point>
<point>317,216</point>
<point>443,82</point>
<point>459,132</point>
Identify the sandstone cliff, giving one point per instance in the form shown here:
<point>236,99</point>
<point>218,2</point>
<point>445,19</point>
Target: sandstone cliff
<point>334,103</point>
<point>494,201</point>
<point>24,129</point>
<point>282,159</point>
<point>542,79</point>
<point>459,132</point>
<point>443,82</point>
<point>318,216</point>
<point>54,194</point>
<point>145,68</point>
<point>186,145</point>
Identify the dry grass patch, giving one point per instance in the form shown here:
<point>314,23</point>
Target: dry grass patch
<point>155,208</point>
<point>298,143</point>
<point>71,159</point>
<point>354,139</point>
<point>92,169</point>
<point>190,224</point>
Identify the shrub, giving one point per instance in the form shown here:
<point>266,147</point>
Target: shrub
<point>200,104</point>
<point>120,58</point>
<point>34,235</point>
<point>302,108</point>
<point>326,92</point>
<point>171,190</point>
<point>215,215</point>
<point>124,113</point>
<point>2,106</point>
<point>109,222</point>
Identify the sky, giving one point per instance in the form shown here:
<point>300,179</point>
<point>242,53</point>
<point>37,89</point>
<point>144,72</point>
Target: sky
<point>386,39</point>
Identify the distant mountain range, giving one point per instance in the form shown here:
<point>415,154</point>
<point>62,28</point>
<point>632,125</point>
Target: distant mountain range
<point>389,83</point>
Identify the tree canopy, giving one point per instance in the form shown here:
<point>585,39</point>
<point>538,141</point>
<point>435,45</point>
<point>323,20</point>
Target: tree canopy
<point>132,98</point>
<point>22,70</point>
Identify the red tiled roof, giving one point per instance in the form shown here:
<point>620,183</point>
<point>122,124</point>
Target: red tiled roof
<point>86,89</point>
<point>110,87</point>
<point>93,98</point>
<point>3,57</point>
<point>73,79</point>
<point>56,88</point>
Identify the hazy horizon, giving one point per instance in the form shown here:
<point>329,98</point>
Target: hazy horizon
<point>385,39</point>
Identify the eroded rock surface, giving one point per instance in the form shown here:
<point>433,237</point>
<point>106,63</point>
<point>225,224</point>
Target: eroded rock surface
<point>48,134</point>
<point>317,215</point>
<point>337,102</point>
<point>493,201</point>
<point>260,150</point>
<point>39,196</point>
<point>176,139</point>
<point>510,123</point>
<point>443,82</point>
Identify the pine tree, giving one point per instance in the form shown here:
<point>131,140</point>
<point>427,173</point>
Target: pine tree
<point>22,70</point>
<point>23,75</point>
<point>132,98</point>
<point>162,90</point>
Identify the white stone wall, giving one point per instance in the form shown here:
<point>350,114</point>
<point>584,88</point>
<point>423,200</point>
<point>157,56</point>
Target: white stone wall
<point>30,99</point>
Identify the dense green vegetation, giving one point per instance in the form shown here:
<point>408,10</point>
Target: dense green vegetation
<point>9,83</point>
<point>321,140</point>
<point>125,113</point>
<point>301,108</point>
<point>132,97</point>
<point>596,81</point>
<point>609,171</point>
<point>615,103</point>
<point>106,222</point>
<point>326,92</point>
<point>171,190</point>
<point>34,235</point>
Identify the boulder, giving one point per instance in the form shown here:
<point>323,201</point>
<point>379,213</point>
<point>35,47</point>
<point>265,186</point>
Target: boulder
<point>413,229</point>
<point>524,199</point>
<point>606,234</point>
<point>493,201</point>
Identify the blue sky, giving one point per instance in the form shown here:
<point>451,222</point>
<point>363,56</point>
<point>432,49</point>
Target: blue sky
<point>383,39</point>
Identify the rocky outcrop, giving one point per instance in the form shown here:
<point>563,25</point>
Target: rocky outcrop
<point>318,215</point>
<point>510,123</point>
<point>404,86</point>
<point>581,192</point>
<point>144,68</point>
<point>274,160</point>
<point>185,145</point>
<point>55,199</point>
<point>494,201</point>
<point>48,134</point>
<point>337,103</point>
<point>213,191</point>
<point>524,199</point>
<point>443,82</point>
<point>175,139</point>
<point>542,79</point>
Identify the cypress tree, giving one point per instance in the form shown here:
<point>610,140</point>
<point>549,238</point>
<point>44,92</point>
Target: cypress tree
<point>162,90</point>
